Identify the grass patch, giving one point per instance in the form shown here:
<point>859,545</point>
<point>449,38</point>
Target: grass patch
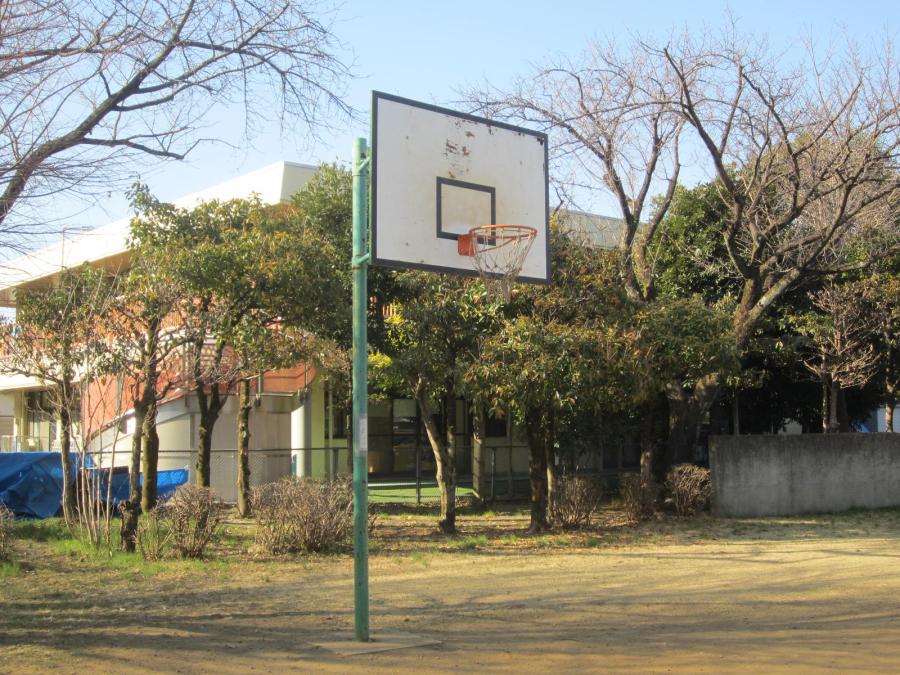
<point>471,543</point>
<point>134,563</point>
<point>407,495</point>
<point>10,569</point>
<point>420,558</point>
<point>545,540</point>
<point>51,529</point>
<point>234,539</point>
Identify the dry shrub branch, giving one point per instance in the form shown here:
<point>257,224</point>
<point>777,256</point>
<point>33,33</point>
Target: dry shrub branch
<point>7,518</point>
<point>294,515</point>
<point>154,535</point>
<point>193,516</point>
<point>575,498</point>
<point>690,487</point>
<point>638,499</point>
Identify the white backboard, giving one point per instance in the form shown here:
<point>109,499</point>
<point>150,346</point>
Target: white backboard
<point>436,173</point>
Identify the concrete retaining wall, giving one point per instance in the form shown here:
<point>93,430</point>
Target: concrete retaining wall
<point>808,473</point>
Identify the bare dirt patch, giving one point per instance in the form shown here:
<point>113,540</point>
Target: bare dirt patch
<point>706,596</point>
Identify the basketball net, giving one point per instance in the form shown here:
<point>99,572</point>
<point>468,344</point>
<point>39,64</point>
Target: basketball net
<point>498,252</point>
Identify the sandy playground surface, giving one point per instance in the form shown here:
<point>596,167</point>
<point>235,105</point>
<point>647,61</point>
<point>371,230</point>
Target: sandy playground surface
<point>729,596</point>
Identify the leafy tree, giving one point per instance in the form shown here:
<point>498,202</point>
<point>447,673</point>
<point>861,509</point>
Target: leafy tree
<point>325,206</point>
<point>287,275</point>
<point>688,253</point>
<point>243,275</point>
<point>561,351</point>
<point>683,340</point>
<point>55,339</point>
<point>144,344</point>
<point>542,375</point>
<point>431,337</point>
<point>691,261</point>
<point>191,252</point>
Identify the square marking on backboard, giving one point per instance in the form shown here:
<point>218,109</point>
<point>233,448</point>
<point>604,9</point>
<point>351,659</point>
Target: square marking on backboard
<point>462,206</point>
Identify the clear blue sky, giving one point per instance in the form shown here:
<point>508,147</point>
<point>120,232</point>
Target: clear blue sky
<point>429,50</point>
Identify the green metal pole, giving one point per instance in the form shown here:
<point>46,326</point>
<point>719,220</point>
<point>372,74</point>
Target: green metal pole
<point>360,264</point>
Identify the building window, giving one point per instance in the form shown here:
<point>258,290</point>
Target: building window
<point>128,425</point>
<point>40,425</point>
<point>494,427</point>
<point>339,417</point>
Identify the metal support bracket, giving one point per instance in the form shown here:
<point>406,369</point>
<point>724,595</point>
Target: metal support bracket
<point>362,169</point>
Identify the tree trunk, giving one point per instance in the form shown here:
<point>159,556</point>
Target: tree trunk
<point>687,410</point>
<point>65,457</point>
<point>210,406</point>
<point>243,448</point>
<point>537,473</point>
<point>130,508</point>
<point>833,424</point>
<point>443,457</point>
<point>826,388</point>
<point>735,412</point>
<point>479,432</point>
<point>889,413</point>
<point>652,437</point>
<point>842,415</point>
<point>550,450</point>
<point>150,460</point>
<point>648,446</point>
<point>890,395</point>
<point>447,522</point>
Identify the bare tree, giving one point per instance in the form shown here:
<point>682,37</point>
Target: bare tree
<point>612,128</point>
<point>87,87</point>
<point>805,160</point>
<point>842,334</point>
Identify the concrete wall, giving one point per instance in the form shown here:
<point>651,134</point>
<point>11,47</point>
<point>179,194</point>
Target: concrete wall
<point>809,473</point>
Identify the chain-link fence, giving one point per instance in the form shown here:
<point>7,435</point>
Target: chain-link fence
<point>496,471</point>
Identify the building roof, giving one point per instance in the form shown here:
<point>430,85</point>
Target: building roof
<point>602,231</point>
<point>106,245</point>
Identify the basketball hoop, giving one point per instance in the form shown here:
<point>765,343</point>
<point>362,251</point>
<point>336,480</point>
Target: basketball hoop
<point>499,252</point>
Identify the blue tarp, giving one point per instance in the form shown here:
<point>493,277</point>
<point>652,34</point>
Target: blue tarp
<point>166,483</point>
<point>31,483</point>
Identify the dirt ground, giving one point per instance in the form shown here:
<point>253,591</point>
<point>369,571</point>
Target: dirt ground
<point>804,594</point>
